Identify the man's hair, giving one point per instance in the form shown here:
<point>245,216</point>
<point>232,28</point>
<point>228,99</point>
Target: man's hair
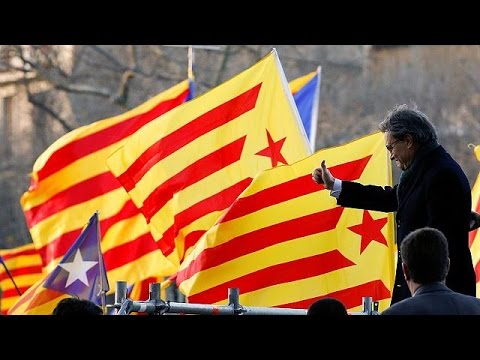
<point>425,253</point>
<point>74,306</point>
<point>327,307</point>
<point>403,120</point>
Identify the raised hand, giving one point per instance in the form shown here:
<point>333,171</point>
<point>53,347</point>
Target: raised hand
<point>322,175</point>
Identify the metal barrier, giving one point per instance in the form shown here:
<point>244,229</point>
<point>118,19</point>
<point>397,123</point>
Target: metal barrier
<point>156,306</point>
<point>370,307</point>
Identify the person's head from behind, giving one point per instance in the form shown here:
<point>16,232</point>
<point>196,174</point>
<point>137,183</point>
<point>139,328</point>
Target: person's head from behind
<point>74,306</point>
<point>425,257</point>
<point>327,307</point>
<point>406,130</point>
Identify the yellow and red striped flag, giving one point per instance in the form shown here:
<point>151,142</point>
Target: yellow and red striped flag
<point>37,300</point>
<point>71,180</point>
<point>285,243</point>
<point>183,170</point>
<point>25,266</point>
<point>474,236</point>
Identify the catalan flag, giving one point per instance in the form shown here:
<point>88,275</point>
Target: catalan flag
<point>189,165</point>
<point>81,273</point>
<point>474,236</point>
<point>71,179</point>
<point>306,92</point>
<point>25,266</point>
<point>285,243</point>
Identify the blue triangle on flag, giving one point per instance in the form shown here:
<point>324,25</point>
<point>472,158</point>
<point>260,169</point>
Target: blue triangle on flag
<point>82,271</point>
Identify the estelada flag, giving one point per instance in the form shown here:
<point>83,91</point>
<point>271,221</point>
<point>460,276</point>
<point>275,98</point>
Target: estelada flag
<point>189,165</point>
<point>286,243</point>
<point>80,273</point>
<point>474,236</point>
<point>71,179</point>
<point>25,266</point>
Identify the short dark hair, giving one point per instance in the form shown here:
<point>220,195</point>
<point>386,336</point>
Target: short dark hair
<point>327,307</point>
<point>402,120</point>
<point>425,253</point>
<point>74,306</point>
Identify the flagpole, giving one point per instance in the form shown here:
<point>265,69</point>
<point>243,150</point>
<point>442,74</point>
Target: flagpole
<point>191,55</point>
<point>100,263</point>
<point>10,276</point>
<point>314,116</point>
<point>190,62</point>
<point>291,100</point>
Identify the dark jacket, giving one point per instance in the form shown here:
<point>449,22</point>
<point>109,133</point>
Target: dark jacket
<point>436,299</point>
<point>437,196</point>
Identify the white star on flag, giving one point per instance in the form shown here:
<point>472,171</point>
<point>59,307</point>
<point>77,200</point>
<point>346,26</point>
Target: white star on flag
<point>77,270</point>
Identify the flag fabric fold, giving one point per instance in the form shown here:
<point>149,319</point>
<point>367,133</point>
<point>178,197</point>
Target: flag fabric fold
<point>25,266</point>
<point>285,243</point>
<point>184,169</point>
<point>306,93</point>
<point>71,179</point>
<point>81,273</point>
<point>474,236</point>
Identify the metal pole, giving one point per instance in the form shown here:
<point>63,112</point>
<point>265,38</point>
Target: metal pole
<point>10,276</point>
<point>191,55</point>
<point>121,292</point>
<point>155,305</point>
<point>103,287</point>
<point>252,310</point>
<point>199,309</point>
<point>367,305</point>
<point>120,296</point>
<point>154,289</point>
<point>190,62</point>
<point>233,300</point>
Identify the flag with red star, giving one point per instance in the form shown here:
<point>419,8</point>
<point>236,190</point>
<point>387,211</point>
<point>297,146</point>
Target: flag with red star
<point>185,168</point>
<point>286,243</point>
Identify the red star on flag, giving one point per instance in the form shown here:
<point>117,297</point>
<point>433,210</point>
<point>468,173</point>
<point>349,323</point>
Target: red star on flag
<point>370,230</point>
<point>273,150</point>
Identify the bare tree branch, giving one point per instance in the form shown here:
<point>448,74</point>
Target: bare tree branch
<point>223,67</point>
<point>118,66</point>
<point>84,89</point>
<point>132,53</point>
<point>122,93</point>
<point>47,109</point>
<point>109,57</point>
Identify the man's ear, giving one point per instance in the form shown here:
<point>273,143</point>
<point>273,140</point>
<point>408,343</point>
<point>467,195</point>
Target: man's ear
<point>406,273</point>
<point>408,140</point>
